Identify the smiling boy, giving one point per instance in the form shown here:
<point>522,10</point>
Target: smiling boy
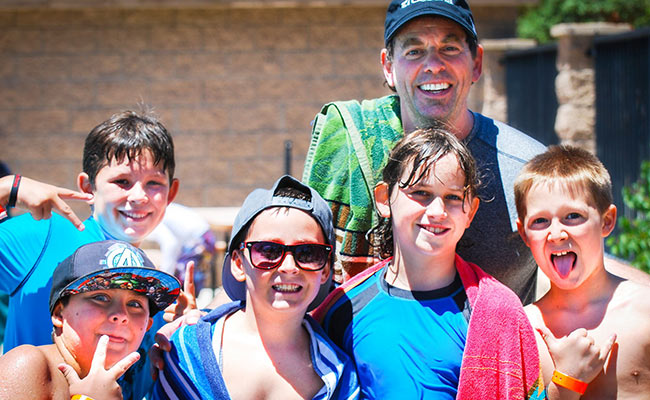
<point>263,345</point>
<point>102,302</point>
<point>564,201</point>
<point>128,169</point>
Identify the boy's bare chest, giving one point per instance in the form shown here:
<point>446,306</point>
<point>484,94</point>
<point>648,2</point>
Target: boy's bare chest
<point>627,371</point>
<point>255,376</point>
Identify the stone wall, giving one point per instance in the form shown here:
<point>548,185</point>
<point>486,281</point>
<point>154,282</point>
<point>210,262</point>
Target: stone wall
<point>231,83</point>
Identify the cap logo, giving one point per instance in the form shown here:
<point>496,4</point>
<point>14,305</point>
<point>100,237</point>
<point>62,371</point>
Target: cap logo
<point>119,255</point>
<point>407,3</point>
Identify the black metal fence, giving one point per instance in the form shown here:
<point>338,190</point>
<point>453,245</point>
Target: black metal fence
<point>622,64</point>
<point>530,88</point>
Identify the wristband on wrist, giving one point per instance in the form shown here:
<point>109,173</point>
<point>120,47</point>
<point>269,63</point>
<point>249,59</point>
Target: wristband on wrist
<point>80,397</point>
<point>3,213</point>
<point>568,382</point>
<point>13,195</point>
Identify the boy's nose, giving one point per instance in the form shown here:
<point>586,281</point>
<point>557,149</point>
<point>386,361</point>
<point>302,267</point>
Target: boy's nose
<point>137,194</point>
<point>557,233</point>
<point>288,265</point>
<point>118,314</point>
<point>436,209</point>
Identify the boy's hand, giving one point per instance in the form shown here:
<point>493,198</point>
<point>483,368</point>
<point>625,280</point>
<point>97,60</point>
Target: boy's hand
<point>162,344</point>
<point>40,199</point>
<point>100,383</point>
<point>186,300</point>
<point>577,355</point>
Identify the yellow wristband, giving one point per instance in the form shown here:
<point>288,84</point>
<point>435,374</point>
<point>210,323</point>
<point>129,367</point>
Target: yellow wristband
<point>80,397</point>
<point>568,382</point>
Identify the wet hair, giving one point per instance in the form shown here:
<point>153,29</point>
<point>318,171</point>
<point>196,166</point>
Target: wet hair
<point>127,135</point>
<point>574,169</point>
<point>416,153</point>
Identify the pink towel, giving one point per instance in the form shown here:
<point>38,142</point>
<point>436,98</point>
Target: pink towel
<point>500,359</point>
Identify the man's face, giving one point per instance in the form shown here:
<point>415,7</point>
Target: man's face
<point>130,197</point>
<point>432,70</point>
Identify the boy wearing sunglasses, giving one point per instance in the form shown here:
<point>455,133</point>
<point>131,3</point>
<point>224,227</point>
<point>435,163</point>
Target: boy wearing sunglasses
<point>263,345</point>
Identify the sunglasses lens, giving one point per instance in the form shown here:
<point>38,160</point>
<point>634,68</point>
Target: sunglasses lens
<point>266,255</point>
<point>311,256</point>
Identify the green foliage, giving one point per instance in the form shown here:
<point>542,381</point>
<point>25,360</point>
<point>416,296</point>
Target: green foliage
<point>633,239</point>
<point>536,22</point>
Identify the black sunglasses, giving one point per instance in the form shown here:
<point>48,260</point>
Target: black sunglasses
<point>269,255</point>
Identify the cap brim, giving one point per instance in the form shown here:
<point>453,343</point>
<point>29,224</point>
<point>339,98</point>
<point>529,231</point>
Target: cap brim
<point>161,288</point>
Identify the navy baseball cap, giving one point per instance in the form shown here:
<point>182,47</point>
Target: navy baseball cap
<point>112,264</point>
<point>402,11</point>
<point>261,199</point>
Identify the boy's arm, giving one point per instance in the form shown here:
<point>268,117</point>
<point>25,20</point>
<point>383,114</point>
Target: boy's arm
<point>40,198</point>
<point>25,374</point>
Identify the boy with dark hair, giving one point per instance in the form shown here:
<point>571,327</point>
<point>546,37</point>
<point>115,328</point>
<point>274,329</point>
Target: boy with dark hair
<point>127,178</point>
<point>565,206</point>
<point>102,302</point>
<point>263,345</point>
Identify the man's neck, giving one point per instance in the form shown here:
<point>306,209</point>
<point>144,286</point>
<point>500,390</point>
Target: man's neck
<point>461,126</point>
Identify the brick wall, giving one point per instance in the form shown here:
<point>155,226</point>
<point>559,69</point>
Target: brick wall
<point>231,84</point>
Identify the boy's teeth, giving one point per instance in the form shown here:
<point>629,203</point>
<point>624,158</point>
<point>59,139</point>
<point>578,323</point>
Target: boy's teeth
<point>434,86</point>
<point>134,215</point>
<point>435,230</point>
<point>286,287</point>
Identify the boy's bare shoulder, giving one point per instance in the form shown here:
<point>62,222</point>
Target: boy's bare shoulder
<point>631,294</point>
<point>31,372</point>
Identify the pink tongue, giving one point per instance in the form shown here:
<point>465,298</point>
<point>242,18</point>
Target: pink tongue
<point>563,264</point>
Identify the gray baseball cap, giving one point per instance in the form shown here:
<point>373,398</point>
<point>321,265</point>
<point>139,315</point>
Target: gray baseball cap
<point>261,199</point>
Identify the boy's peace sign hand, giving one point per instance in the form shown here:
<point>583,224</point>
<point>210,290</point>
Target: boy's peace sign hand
<point>186,300</point>
<point>100,383</point>
<point>40,199</point>
<point>577,355</point>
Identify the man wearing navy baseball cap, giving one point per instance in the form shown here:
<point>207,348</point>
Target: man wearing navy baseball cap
<point>102,302</point>
<point>430,60</point>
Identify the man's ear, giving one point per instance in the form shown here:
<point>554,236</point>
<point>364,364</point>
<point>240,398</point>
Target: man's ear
<point>173,190</point>
<point>149,323</point>
<point>387,68</point>
<point>609,220</point>
<point>83,182</point>
<point>477,64</point>
<point>522,231</point>
<point>237,266</point>
<point>382,199</point>
<point>57,315</point>
<point>474,204</point>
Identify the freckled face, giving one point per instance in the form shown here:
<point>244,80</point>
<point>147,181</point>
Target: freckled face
<point>565,233</point>
<point>123,315</point>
